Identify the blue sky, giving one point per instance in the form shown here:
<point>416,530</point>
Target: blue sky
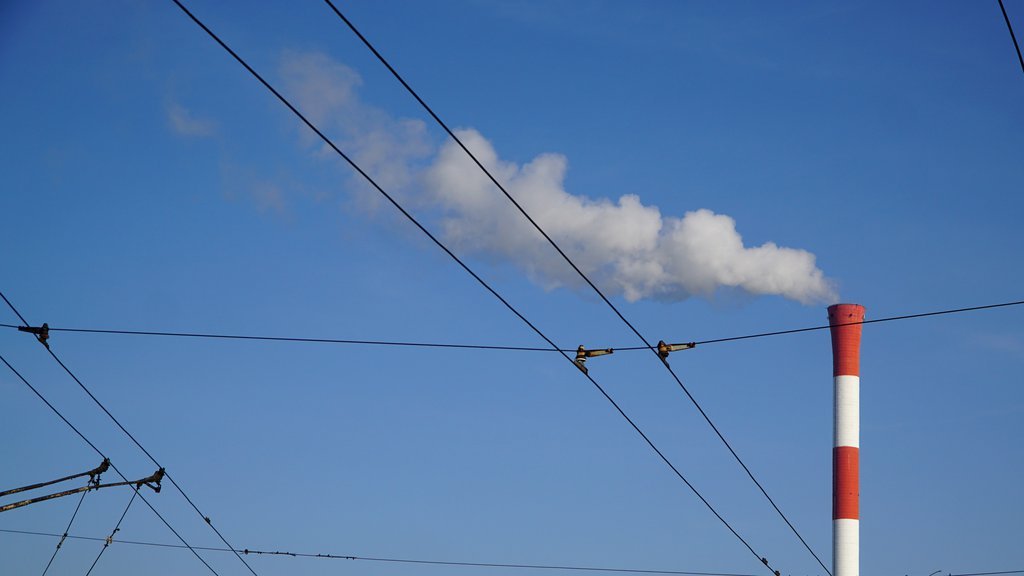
<point>150,183</point>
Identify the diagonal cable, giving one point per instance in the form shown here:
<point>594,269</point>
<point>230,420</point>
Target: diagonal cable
<point>1013,36</point>
<point>580,272</point>
<point>65,535</point>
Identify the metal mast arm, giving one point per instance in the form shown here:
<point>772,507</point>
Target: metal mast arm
<point>152,481</point>
<point>95,472</point>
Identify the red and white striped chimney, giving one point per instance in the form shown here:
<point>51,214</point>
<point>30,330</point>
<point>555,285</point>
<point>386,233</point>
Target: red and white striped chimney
<point>846,435</point>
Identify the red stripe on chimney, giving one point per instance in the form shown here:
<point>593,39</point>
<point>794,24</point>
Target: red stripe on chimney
<point>845,474</point>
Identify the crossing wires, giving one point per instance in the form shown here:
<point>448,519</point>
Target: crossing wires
<point>127,433</point>
<point>582,275</point>
<point>373,183</point>
<point>98,451</point>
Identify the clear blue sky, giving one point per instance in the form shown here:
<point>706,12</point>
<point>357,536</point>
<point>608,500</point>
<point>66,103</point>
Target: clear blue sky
<point>149,183</point>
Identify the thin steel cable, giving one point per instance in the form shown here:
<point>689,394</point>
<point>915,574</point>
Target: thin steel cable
<point>989,573</point>
<point>1012,35</point>
<point>501,347</point>
<point>65,535</point>
<point>876,321</point>
<point>98,451</point>
<point>462,264</point>
<point>302,340</point>
<point>133,439</point>
<point>396,560</point>
<point>582,275</point>
<point>15,310</point>
<point>110,539</point>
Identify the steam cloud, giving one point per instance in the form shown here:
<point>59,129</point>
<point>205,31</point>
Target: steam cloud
<point>626,247</point>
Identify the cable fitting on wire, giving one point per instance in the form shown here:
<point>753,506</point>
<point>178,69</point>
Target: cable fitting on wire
<point>665,349</point>
<point>42,333</point>
<point>94,474</point>
<point>765,562</point>
<point>582,354</point>
<point>152,481</point>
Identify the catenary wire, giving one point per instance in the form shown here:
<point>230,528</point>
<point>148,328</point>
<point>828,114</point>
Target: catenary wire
<point>304,340</point>
<point>110,539</point>
<point>521,566</point>
<point>465,267</point>
<point>988,573</point>
<point>130,436</point>
<point>64,536</point>
<point>98,451</point>
<point>1012,35</point>
<point>504,347</point>
<point>875,321</point>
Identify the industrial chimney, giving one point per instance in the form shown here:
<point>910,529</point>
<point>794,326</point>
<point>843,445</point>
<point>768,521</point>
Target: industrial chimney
<point>844,324</point>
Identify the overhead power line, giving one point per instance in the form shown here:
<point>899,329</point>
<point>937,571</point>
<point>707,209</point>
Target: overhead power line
<point>520,566</point>
<point>875,321</point>
<point>468,270</point>
<point>303,340</point>
<point>127,433</point>
<point>98,451</point>
<point>495,347</point>
<point>989,573</point>
<point>1013,37</point>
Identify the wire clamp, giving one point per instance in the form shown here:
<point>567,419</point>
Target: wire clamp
<point>152,481</point>
<point>665,349</point>
<point>582,354</point>
<point>94,474</point>
<point>42,333</point>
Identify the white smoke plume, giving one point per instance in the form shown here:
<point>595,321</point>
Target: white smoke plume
<point>627,248</point>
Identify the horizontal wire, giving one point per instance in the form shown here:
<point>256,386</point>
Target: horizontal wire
<point>875,321</point>
<point>988,573</point>
<point>210,335</point>
<point>307,340</point>
<point>392,560</point>
<point>432,562</point>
